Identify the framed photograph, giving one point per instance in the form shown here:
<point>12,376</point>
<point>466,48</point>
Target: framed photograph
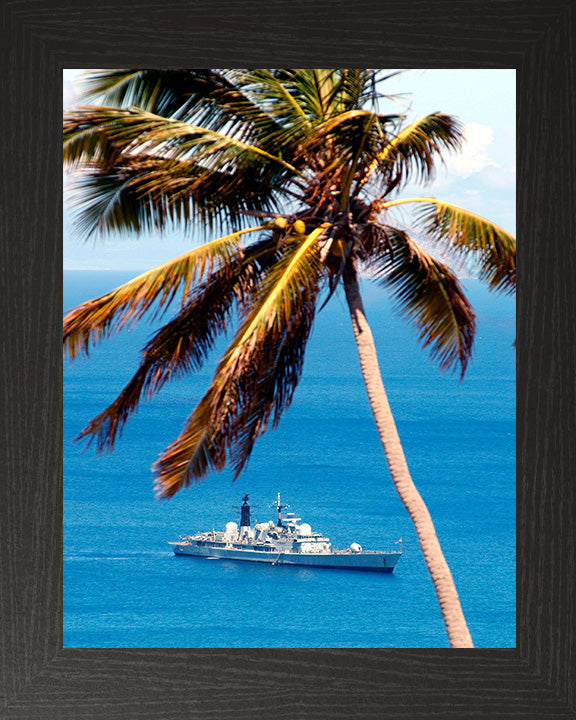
<point>90,668</point>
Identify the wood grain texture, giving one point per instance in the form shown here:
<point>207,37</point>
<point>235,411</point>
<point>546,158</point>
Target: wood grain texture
<point>40,680</point>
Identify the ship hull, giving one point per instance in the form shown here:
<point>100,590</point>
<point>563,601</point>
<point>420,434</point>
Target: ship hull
<point>373,561</point>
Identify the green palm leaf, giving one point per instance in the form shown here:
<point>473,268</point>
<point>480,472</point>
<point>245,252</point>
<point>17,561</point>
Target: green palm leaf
<point>350,125</point>
<point>313,90</point>
<point>355,88</point>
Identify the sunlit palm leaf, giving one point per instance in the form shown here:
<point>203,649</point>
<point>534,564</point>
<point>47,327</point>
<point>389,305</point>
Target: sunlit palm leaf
<point>98,318</point>
<point>287,278</point>
<point>486,246</point>
<point>341,147</point>
<point>348,124</point>
<point>313,90</point>
<point>137,131</point>
<point>182,345</point>
<point>256,376</point>
<point>413,153</point>
<point>142,172</point>
<point>355,89</point>
<point>218,177</point>
<point>178,348</point>
<point>87,144</point>
<point>427,293</point>
<point>202,96</point>
<point>266,90</point>
<point>185,191</point>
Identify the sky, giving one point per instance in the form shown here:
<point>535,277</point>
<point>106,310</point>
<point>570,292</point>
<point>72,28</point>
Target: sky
<point>481,178</point>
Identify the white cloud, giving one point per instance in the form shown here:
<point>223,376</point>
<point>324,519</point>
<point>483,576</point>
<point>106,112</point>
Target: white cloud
<point>69,94</point>
<point>473,157</point>
<point>499,177</point>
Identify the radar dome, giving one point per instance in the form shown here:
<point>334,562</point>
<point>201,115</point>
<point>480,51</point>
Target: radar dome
<point>304,529</point>
<point>356,548</point>
<point>231,527</point>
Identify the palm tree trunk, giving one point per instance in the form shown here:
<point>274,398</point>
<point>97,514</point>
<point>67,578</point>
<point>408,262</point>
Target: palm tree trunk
<point>458,633</point>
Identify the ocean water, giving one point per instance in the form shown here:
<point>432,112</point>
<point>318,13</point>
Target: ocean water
<point>123,587</point>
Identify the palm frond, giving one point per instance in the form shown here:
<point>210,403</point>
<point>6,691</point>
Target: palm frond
<point>413,152</point>
<point>351,121</point>
<point>137,131</point>
<point>486,246</point>
<point>201,96</point>
<point>164,171</point>
<point>99,318</point>
<point>177,348</point>
<point>427,293</point>
<point>355,89</point>
<point>86,144</point>
<point>108,201</point>
<point>148,193</point>
<point>275,97</point>
<point>159,90</point>
<point>180,346</point>
<point>312,89</point>
<point>256,376</point>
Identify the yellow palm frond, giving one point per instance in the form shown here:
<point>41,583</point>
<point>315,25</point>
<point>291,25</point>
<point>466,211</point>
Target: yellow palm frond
<point>327,127</point>
<point>287,282</point>
<point>470,237</point>
<point>414,149</point>
<point>256,376</point>
<point>179,347</point>
<point>98,318</point>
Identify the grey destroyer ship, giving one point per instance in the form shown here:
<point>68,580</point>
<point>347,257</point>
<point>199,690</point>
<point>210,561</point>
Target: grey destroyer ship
<point>284,541</point>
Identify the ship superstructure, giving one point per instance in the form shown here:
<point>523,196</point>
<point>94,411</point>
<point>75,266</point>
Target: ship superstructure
<point>284,541</point>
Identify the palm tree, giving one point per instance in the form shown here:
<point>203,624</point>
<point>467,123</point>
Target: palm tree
<point>299,169</point>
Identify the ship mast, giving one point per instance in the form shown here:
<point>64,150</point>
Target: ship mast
<point>279,507</point>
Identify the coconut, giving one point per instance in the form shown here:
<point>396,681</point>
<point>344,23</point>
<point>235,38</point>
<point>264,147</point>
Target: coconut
<point>338,247</point>
<point>299,227</point>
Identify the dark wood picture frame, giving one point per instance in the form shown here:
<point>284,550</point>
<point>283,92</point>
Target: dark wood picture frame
<point>38,679</point>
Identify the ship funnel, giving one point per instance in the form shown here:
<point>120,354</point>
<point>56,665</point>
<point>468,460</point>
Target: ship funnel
<point>245,513</point>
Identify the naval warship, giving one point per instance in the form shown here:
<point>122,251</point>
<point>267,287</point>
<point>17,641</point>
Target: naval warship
<point>284,541</point>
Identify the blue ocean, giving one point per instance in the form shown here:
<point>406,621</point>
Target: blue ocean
<point>123,587</point>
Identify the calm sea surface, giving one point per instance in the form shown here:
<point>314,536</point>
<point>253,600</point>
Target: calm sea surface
<point>123,587</point>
